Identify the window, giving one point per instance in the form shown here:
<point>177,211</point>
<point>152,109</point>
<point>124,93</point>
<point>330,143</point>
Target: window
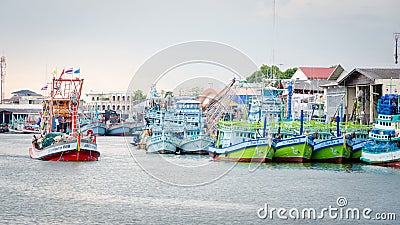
<point>108,107</point>
<point>118,98</point>
<point>104,107</point>
<point>128,106</point>
<point>128,98</point>
<point>92,98</point>
<point>123,98</point>
<point>117,107</point>
<point>113,107</point>
<point>97,98</point>
<point>123,108</point>
<point>114,98</point>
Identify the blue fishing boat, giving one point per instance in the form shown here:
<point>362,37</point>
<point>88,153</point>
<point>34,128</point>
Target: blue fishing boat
<point>385,148</point>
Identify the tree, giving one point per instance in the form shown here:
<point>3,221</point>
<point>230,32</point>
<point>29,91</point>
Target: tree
<point>138,95</point>
<point>269,72</point>
<point>289,73</point>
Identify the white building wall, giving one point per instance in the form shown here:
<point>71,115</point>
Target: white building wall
<point>388,85</point>
<point>299,75</point>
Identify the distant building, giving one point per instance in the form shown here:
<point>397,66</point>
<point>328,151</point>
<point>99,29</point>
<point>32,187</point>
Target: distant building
<point>12,112</point>
<point>318,73</point>
<point>24,104</point>
<point>26,97</point>
<point>119,101</point>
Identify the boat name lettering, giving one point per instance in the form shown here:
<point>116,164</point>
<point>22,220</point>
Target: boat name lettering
<point>327,143</point>
<point>54,149</point>
<point>292,141</point>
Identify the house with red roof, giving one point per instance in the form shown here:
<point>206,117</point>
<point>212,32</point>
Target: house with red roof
<point>318,73</point>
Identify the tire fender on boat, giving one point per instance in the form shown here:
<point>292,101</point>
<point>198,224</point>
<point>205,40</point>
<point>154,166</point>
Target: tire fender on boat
<point>89,132</point>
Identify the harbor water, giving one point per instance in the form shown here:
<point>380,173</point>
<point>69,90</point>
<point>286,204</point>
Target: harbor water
<point>128,186</point>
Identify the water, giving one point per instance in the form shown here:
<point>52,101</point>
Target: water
<point>128,186</point>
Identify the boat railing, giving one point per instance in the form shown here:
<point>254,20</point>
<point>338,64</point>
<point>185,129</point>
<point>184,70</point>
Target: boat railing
<point>379,148</point>
<point>384,137</point>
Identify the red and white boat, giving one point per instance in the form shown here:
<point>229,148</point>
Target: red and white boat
<point>62,140</point>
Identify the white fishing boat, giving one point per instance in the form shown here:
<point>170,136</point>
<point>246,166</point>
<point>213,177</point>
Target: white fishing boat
<point>195,140</point>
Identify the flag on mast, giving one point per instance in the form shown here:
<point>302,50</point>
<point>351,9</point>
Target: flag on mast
<point>69,71</point>
<point>54,72</point>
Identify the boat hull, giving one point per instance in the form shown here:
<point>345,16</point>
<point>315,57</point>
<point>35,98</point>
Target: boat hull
<point>333,150</point>
<point>160,145</point>
<point>67,151</point>
<point>118,130</point>
<point>248,151</point>
<point>195,144</point>
<point>295,149</point>
<point>382,157</point>
<point>355,147</point>
<point>99,129</point>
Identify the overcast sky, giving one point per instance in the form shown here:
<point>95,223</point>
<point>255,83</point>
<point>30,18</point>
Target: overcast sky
<point>110,39</point>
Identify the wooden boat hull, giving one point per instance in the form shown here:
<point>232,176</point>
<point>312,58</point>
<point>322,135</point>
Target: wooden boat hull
<point>248,151</point>
<point>382,157</point>
<point>118,130</point>
<point>99,129</point>
<point>162,145</point>
<point>294,149</point>
<point>195,144</point>
<point>66,151</point>
<point>333,150</point>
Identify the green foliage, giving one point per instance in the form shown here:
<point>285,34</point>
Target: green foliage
<point>138,95</point>
<point>269,72</point>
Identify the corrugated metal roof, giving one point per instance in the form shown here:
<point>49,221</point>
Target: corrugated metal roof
<point>374,73</point>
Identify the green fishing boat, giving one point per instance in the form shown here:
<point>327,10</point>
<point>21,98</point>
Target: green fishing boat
<point>241,142</point>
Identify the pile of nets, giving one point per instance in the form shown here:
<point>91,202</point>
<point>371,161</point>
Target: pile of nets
<point>387,104</point>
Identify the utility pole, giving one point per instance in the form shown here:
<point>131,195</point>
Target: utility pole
<point>396,56</point>
<point>2,76</point>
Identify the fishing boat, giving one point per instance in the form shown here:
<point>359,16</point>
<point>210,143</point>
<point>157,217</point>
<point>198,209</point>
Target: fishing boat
<point>162,136</point>
<point>163,126</point>
<point>356,137</point>
<point>98,128</point>
<point>93,122</point>
<point>292,148</point>
<point>241,142</point>
<point>289,146</point>
<point>329,148</point>
<point>195,140</point>
<point>384,150</point>
<point>118,129</point>
<point>161,142</point>
<point>70,144</point>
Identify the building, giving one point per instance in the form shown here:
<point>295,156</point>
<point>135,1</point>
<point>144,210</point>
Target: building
<point>26,97</point>
<point>367,85</point>
<point>318,73</point>
<point>119,101</point>
<point>24,104</point>
<point>12,112</point>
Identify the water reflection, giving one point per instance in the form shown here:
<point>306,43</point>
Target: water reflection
<point>345,167</point>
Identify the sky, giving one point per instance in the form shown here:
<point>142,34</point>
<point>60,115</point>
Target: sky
<point>109,40</point>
